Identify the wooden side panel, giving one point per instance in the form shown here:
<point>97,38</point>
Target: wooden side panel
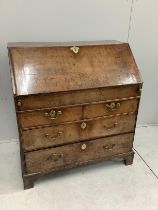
<point>64,134</point>
<point>54,158</point>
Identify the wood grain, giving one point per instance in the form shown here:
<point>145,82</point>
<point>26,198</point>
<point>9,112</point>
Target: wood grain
<point>55,69</point>
<point>50,77</point>
<point>36,138</point>
<point>50,159</point>
<point>38,118</point>
<point>60,99</point>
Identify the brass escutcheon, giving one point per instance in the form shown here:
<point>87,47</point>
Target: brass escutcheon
<point>83,125</point>
<point>75,50</point>
<point>83,146</point>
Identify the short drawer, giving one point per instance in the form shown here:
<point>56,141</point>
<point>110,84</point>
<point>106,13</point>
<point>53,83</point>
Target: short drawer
<point>79,153</point>
<point>75,97</point>
<point>55,116</point>
<point>110,108</point>
<point>68,133</point>
<point>49,116</point>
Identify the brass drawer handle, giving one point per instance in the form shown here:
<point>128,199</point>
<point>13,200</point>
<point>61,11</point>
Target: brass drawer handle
<point>83,125</point>
<point>75,50</point>
<point>53,137</point>
<point>55,157</point>
<point>112,106</point>
<point>109,147</point>
<point>83,146</point>
<point>53,114</point>
<point>111,127</point>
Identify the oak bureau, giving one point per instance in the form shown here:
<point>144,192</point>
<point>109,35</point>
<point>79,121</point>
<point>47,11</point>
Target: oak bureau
<point>76,103</point>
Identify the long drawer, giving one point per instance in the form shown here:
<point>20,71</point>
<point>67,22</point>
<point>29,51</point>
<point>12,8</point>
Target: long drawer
<point>75,97</point>
<point>79,153</point>
<point>61,115</point>
<point>74,132</point>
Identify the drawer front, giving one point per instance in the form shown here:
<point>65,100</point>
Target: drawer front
<point>62,134</point>
<point>79,153</point>
<point>110,108</point>
<point>50,116</point>
<point>75,97</point>
<point>56,116</point>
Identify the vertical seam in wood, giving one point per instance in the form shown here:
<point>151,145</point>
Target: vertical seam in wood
<point>130,20</point>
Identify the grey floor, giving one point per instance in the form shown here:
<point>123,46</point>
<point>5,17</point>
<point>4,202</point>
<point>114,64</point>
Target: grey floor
<point>105,186</point>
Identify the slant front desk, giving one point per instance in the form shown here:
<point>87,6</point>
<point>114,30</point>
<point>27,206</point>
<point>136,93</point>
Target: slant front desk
<point>76,104</point>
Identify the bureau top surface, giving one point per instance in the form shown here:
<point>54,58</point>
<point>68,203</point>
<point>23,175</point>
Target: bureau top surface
<point>54,67</point>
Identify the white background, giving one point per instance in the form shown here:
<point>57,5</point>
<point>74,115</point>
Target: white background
<point>134,21</point>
